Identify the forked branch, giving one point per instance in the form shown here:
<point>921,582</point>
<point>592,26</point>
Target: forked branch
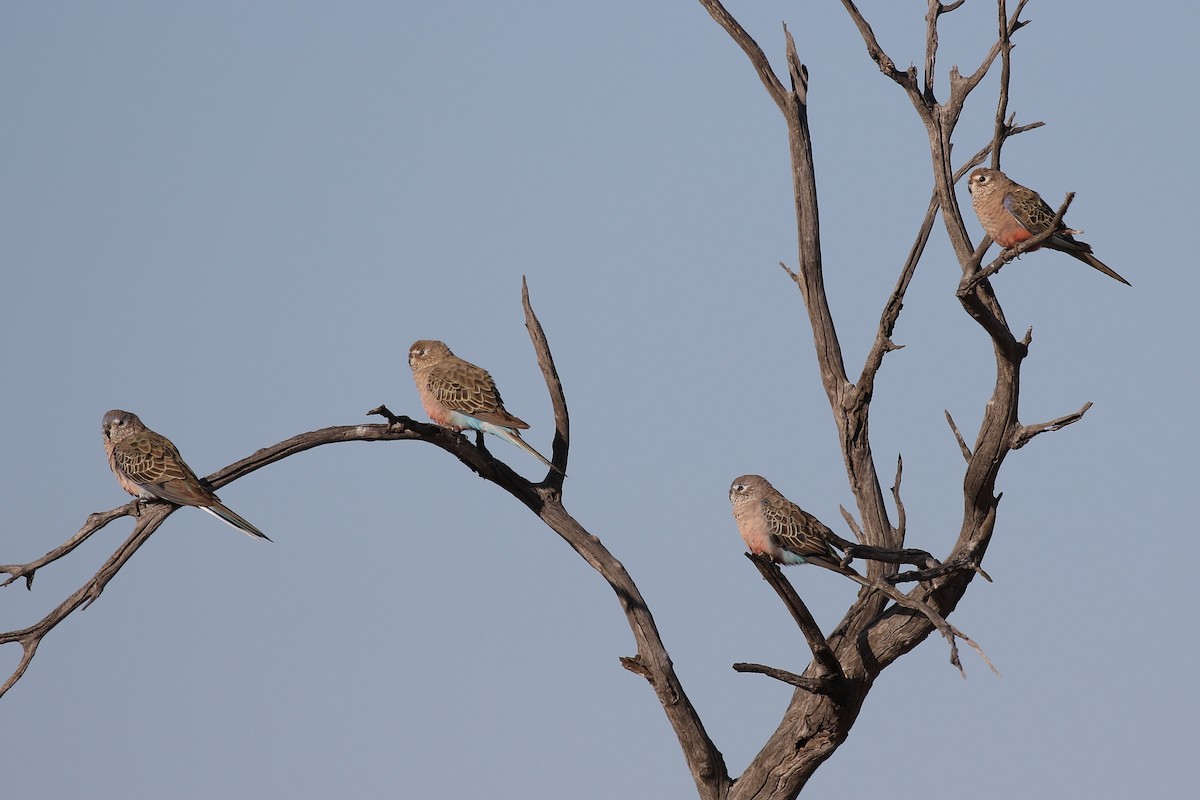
<point>824,657</point>
<point>870,637</point>
<point>883,622</point>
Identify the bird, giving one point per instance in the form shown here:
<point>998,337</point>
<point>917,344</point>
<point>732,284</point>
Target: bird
<point>149,467</point>
<point>458,395</point>
<point>773,526</point>
<point>1011,213</point>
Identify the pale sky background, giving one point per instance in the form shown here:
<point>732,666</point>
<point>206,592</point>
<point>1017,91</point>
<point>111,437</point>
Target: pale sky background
<point>233,218</point>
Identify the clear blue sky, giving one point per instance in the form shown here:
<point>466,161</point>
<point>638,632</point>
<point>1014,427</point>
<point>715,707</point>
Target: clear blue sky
<point>233,218</point>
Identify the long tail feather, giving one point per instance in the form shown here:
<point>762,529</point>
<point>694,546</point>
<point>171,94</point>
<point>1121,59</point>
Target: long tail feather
<point>1082,251</point>
<point>516,439</point>
<point>1097,264</point>
<point>228,516</point>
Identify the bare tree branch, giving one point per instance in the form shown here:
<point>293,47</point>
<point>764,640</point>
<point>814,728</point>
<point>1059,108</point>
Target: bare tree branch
<point>821,685</point>
<point>937,571</point>
<point>562,421</point>
<point>750,47</point>
<point>901,517</point>
<point>887,555</point>
<point>962,445</point>
<point>853,525</point>
<point>891,312</point>
<point>960,87</point>
<point>30,638</point>
<point>808,626</point>
<point>151,515</point>
<point>1007,28</point>
<point>544,499</point>
<point>1026,432</point>
<point>94,523</point>
<point>869,638</point>
<point>883,622</point>
<point>948,631</point>
<point>936,9</point>
<point>907,79</point>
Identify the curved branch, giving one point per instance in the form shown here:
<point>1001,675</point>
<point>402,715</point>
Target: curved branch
<point>562,420</point>
<point>94,523</point>
<point>750,47</point>
<point>151,515</point>
<point>872,634</point>
<point>30,638</point>
<point>652,662</point>
<point>823,656</point>
<point>400,428</point>
<point>544,499</point>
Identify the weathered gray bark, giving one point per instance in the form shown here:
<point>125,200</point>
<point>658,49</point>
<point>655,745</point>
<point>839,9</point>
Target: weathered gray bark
<point>881,625</point>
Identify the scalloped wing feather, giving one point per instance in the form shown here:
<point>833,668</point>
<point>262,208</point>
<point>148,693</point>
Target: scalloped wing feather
<point>794,529</point>
<point>1029,209</point>
<point>468,389</point>
<point>152,461</point>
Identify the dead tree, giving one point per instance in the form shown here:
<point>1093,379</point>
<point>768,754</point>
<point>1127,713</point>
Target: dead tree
<point>882,624</point>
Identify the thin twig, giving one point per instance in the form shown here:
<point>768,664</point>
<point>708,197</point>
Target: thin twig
<point>905,79</point>
<point>1001,128</point>
<point>824,684</point>
<point>948,631</point>
<point>937,572</point>
<point>1023,434</point>
<point>851,523</point>
<point>901,519</point>
<point>30,638</point>
<point>887,555</point>
<point>94,523</point>
<point>750,47</point>
<point>558,399</point>
<point>962,445</point>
